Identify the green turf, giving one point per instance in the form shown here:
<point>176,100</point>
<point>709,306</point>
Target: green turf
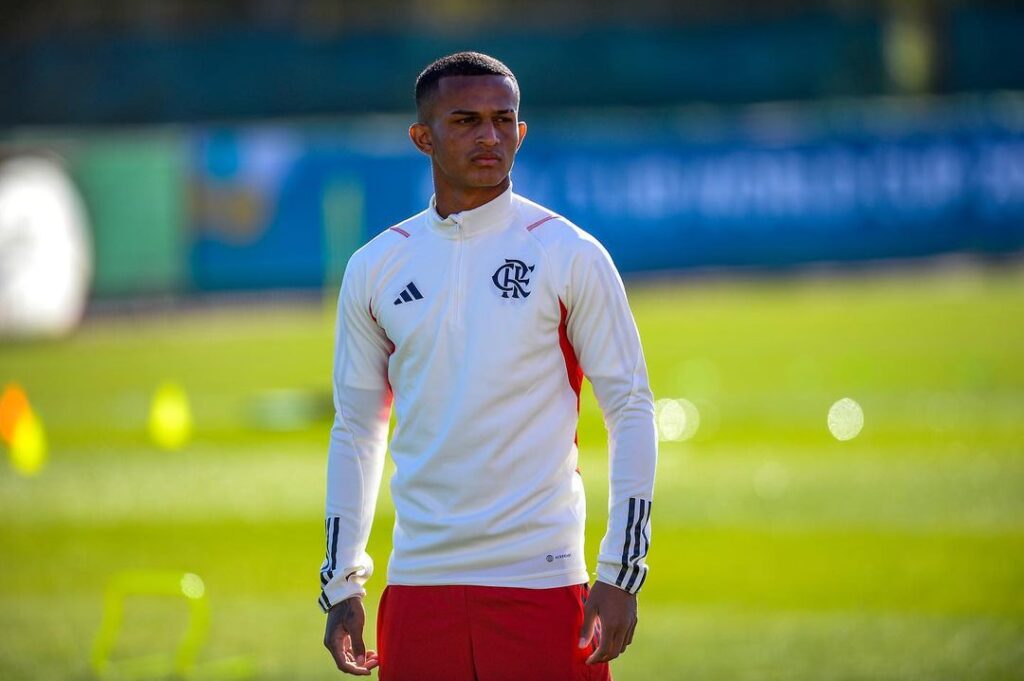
<point>778,552</point>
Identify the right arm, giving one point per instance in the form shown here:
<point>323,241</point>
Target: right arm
<point>362,403</point>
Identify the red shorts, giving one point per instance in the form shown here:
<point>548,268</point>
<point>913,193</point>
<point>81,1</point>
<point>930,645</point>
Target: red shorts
<point>484,633</point>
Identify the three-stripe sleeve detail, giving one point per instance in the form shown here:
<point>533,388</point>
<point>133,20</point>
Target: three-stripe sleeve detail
<point>332,526</point>
<point>635,545</point>
<point>625,546</point>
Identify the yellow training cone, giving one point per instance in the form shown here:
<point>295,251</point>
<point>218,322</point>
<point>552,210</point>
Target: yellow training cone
<point>28,445</point>
<point>170,417</point>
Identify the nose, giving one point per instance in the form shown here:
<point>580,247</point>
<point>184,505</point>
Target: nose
<point>488,134</point>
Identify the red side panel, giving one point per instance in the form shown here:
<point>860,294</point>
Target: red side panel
<point>572,365</point>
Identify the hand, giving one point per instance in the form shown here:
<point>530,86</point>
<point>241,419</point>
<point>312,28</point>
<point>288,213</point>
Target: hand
<point>616,609</point>
<point>344,637</point>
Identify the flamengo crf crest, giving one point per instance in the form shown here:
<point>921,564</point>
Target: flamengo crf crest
<point>512,278</point>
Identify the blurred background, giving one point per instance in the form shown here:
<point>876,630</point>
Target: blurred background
<point>818,207</point>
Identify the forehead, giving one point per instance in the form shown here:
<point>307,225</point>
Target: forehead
<point>475,93</point>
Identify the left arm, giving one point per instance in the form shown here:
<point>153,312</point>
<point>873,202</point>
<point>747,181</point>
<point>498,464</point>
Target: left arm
<point>604,335</point>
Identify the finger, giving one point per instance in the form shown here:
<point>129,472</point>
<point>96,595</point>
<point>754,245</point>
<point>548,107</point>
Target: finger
<point>358,647</point>
<point>337,642</point>
<point>344,660</point>
<point>604,652</point>
<point>353,669</point>
<point>610,647</point>
<point>589,622</point>
<point>629,636</point>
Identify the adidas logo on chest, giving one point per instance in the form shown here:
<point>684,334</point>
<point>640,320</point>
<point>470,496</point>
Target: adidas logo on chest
<point>408,294</point>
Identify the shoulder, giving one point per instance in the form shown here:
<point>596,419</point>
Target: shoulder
<point>558,235</point>
<point>388,242</point>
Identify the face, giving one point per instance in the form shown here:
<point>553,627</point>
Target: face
<point>471,131</point>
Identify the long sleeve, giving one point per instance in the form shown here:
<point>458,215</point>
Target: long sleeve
<point>362,403</point>
<point>605,338</point>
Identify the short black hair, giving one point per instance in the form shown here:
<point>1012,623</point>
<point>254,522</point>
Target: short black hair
<point>458,64</point>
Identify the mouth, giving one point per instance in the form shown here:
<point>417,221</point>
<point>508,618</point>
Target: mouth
<point>486,160</point>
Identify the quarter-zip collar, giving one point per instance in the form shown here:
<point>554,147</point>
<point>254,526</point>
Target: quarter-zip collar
<point>495,214</point>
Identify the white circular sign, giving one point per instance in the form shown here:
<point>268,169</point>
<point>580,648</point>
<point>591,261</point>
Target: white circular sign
<point>45,253</point>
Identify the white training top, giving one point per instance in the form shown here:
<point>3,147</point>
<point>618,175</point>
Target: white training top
<point>483,325</point>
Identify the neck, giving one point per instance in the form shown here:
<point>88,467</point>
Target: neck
<point>450,199</point>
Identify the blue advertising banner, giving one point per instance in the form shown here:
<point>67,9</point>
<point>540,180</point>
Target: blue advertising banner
<point>284,207</point>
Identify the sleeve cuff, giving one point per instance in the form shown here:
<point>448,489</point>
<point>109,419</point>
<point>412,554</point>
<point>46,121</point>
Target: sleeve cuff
<point>629,579</point>
<point>334,594</point>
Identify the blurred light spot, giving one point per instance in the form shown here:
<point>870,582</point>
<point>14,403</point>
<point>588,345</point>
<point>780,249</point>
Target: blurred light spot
<point>192,586</point>
<point>170,417</point>
<point>676,419</point>
<point>771,480</point>
<point>845,419</point>
<point>709,419</point>
<point>13,406</point>
<point>28,445</point>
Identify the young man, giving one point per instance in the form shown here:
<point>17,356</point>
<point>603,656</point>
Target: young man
<point>480,316</point>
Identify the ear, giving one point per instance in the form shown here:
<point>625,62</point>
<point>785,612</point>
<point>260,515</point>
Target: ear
<point>522,134</point>
<point>420,135</point>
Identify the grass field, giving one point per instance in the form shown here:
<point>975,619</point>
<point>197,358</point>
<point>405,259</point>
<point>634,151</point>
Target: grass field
<point>778,552</point>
